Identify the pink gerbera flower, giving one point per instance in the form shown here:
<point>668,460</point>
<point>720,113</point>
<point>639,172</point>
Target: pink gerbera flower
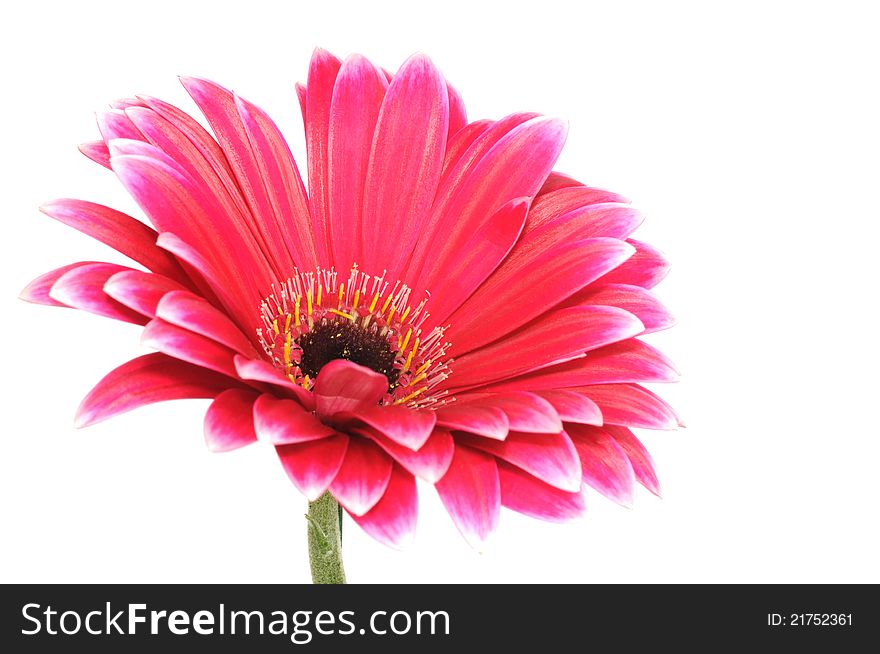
<point>439,304</point>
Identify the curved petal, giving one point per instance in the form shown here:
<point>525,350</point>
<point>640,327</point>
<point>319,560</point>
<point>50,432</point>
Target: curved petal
<point>573,407</point>
<point>357,98</point>
<point>605,464</point>
<point>194,313</point>
<point>392,521</point>
<point>405,163</point>
<point>120,231</point>
<point>262,371</point>
<point>550,457</point>
<point>312,465</point>
<point>635,299</point>
<point>37,291</point>
<point>229,422</point>
<point>188,346</point>
<point>284,422</point>
<point>97,151</point>
<point>405,426</point>
<point>346,386</point>
<point>631,405</point>
<point>523,493</point>
<point>471,492</point>
<point>148,379</point>
<point>82,287</point>
<point>363,477</point>
<point>486,421</point>
<point>503,303</point>
<point>430,462</point>
<point>639,458</point>
<point>140,291</point>
<point>646,268</point>
<point>557,336</point>
<point>526,412</point>
<point>457,112</point>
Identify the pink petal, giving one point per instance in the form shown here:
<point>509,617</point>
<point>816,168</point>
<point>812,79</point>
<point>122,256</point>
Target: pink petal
<point>187,346</point>
<point>503,303</point>
<point>605,464</point>
<point>515,167</point>
<point>639,458</point>
<point>646,268</point>
<point>251,165</point>
<point>114,124</point>
<point>564,199</point>
<point>556,181</point>
<point>37,291</point>
<point>285,422</point>
<point>284,187</point>
<point>262,371</point>
<point>430,462</point>
<point>312,465</point>
<point>363,477</point>
<point>140,290</point>
<point>405,163</point>
<point>392,521</point>
<point>357,98</point>
<point>573,407</point>
<point>323,70</point>
<point>194,313</point>
<point>479,257</point>
<point>550,457</point>
<point>457,112</point>
<point>490,422</point>
<point>523,493</point>
<point>471,493</point>
<point>345,386</point>
<point>628,361</point>
<point>557,336</point>
<point>82,287</point>
<point>635,299</point>
<point>202,271</point>
<point>526,412</point>
<point>405,426</point>
<point>148,379</point>
<point>229,422</point>
<point>632,406</point>
<point>96,151</point>
<point>460,144</point>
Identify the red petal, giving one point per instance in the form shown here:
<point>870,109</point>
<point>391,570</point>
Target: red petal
<point>635,299</point>
<point>229,422</point>
<point>187,346</point>
<point>345,386</point>
<point>632,406</point>
<point>646,268</point>
<point>490,422</point>
<point>194,313</point>
<point>148,379</point>
<point>639,458</point>
<point>313,465</point>
<point>573,407</point>
<point>363,477</point>
<point>392,521</point>
<point>523,493</point>
<point>408,427</point>
<point>37,291</point>
<point>526,412</point>
<point>82,287</point>
<point>605,464</point>
<point>471,493</point>
<point>430,462</point>
<point>140,290</point>
<point>285,422</point>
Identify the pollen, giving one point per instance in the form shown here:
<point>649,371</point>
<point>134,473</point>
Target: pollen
<point>361,320</point>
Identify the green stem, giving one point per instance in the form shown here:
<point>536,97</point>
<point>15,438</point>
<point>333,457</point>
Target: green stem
<point>325,540</point>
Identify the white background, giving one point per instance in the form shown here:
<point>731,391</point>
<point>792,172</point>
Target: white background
<point>747,132</point>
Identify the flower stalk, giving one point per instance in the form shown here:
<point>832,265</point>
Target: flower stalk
<point>325,540</point>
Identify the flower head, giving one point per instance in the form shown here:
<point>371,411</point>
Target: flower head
<point>439,304</point>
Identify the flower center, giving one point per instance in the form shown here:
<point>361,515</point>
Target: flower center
<point>313,320</point>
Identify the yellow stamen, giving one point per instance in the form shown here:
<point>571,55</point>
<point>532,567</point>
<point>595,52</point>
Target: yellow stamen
<point>287,323</point>
<point>320,294</point>
<point>411,395</point>
<point>375,300</point>
<point>341,293</point>
<point>391,313</point>
<point>275,326</point>
<point>309,300</point>
<point>287,344</point>
<point>405,314</point>
<point>419,378</point>
<point>342,313</point>
<point>296,309</point>
<point>357,298</point>
<point>423,367</point>
<point>385,306</point>
<point>306,382</point>
<point>412,352</point>
<point>402,348</point>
